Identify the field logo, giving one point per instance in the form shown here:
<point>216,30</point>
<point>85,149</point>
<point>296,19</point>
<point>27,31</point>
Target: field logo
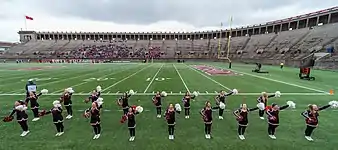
<point>158,79</point>
<point>215,71</point>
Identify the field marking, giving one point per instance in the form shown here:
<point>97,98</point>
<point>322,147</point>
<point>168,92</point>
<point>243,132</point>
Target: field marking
<point>94,80</point>
<point>185,85</point>
<point>208,78</point>
<point>125,78</point>
<point>152,80</point>
<point>177,94</point>
<point>278,81</point>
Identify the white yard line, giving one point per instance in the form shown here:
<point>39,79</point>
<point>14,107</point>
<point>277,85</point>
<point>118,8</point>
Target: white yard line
<point>278,81</point>
<point>92,81</point>
<point>152,80</point>
<point>179,94</point>
<point>125,79</point>
<point>185,85</point>
<point>209,78</point>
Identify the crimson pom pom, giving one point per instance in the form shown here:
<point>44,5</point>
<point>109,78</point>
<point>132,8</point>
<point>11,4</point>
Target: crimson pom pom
<point>239,118</point>
<point>86,100</point>
<point>86,115</point>
<point>42,113</point>
<point>123,119</point>
<point>268,107</point>
<point>8,119</point>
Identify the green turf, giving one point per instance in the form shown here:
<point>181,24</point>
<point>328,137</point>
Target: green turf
<point>151,132</point>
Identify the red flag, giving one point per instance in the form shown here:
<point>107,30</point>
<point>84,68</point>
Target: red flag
<point>29,18</point>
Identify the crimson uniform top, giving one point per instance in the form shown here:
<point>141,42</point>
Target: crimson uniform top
<point>222,98</point>
<point>66,99</point>
<point>33,101</point>
<point>186,100</point>
<point>157,100</point>
<point>273,115</point>
<point>207,115</point>
<point>93,97</point>
<point>94,116</point>
<point>21,115</point>
<point>260,99</point>
<point>243,116</point>
<point>131,119</point>
<point>56,113</point>
<point>170,116</point>
<point>311,119</point>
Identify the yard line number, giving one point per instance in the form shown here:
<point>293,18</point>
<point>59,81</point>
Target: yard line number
<point>158,79</point>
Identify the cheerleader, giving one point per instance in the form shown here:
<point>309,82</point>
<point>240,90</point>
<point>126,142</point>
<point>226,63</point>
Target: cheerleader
<point>157,100</point>
<point>221,102</point>
<point>66,98</point>
<point>93,97</point>
<point>94,114</point>
<point>242,119</point>
<point>273,117</point>
<point>186,103</point>
<point>123,102</point>
<point>33,99</point>
<point>206,113</point>
<point>130,116</point>
<point>311,118</point>
<point>264,99</point>
<point>21,116</point>
<point>170,116</point>
<point>56,112</point>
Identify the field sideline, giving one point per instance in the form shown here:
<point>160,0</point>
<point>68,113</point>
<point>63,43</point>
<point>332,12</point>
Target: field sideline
<point>175,79</point>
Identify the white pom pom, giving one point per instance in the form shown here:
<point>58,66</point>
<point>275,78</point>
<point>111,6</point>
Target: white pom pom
<point>99,101</point>
<point>56,103</point>
<point>139,109</point>
<point>291,104</point>
<point>131,92</point>
<point>98,88</point>
<point>278,94</point>
<point>178,107</point>
<point>195,93</point>
<point>261,106</point>
<point>221,105</point>
<point>235,91</point>
<point>164,94</point>
<point>334,104</point>
<point>70,90</point>
<point>21,107</point>
<point>44,91</point>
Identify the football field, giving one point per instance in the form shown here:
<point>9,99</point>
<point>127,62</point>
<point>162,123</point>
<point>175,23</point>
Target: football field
<point>207,79</point>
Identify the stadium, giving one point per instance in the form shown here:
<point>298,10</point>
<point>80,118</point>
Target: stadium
<point>294,58</point>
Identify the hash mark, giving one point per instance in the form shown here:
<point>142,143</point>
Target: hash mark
<point>207,92</point>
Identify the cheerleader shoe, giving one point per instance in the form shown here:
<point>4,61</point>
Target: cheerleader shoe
<point>188,117</point>
<point>69,117</point>
<point>98,136</point>
<point>158,116</point>
<point>36,119</point>
<point>272,137</point>
<point>171,137</point>
<point>308,138</point>
<point>57,134</point>
<point>95,137</point>
<point>261,118</point>
<point>209,136</point>
<point>61,133</point>
<point>220,117</point>
<point>131,139</point>
<point>206,136</point>
<point>241,137</point>
<point>24,133</point>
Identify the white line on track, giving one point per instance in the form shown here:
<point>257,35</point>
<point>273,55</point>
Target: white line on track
<point>125,79</point>
<point>209,78</point>
<point>152,80</point>
<point>274,80</point>
<point>179,94</point>
<point>185,85</point>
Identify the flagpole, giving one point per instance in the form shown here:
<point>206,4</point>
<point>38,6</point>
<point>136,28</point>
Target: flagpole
<point>219,41</point>
<point>229,39</point>
<point>25,23</point>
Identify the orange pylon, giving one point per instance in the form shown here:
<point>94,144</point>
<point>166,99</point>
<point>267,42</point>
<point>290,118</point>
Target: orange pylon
<point>331,92</point>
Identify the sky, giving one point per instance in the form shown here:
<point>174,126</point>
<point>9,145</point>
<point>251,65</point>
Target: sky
<point>145,15</point>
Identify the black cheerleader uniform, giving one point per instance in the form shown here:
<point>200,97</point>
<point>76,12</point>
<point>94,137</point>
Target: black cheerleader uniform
<point>21,116</point>
<point>311,120</point>
<point>34,104</point>
<point>186,104</point>
<point>123,102</point>
<point>242,119</point>
<point>207,118</point>
<point>94,98</point>
<point>260,100</point>
<point>157,100</point>
<point>67,102</point>
<point>221,98</point>
<point>273,119</point>
<point>57,118</point>
<point>170,116</point>
<point>131,117</point>
<point>95,120</point>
